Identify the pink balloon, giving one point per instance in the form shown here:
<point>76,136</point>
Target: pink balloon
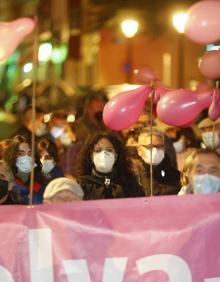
<point>180,107</point>
<point>161,91</point>
<point>203,23</point>
<point>124,109</point>
<point>12,33</point>
<point>203,87</point>
<point>209,64</point>
<point>145,74</point>
<point>214,109</point>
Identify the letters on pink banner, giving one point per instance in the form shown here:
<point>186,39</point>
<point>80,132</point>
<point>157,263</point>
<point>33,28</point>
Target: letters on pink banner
<point>155,239</point>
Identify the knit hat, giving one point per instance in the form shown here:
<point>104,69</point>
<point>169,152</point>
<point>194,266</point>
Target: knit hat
<point>61,184</point>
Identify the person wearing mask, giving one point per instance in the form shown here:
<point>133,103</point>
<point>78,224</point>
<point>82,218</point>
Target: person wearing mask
<point>210,132</point>
<point>65,139</point>
<point>18,157</point>
<point>62,190</point>
<point>201,173</point>
<point>104,171</point>
<point>47,152</point>
<point>184,142</point>
<point>26,129</point>
<point>166,178</point>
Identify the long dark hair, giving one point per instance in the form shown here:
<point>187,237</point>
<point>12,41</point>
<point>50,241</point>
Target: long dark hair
<point>122,164</point>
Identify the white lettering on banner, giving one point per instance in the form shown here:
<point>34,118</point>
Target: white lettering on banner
<point>5,275</point>
<point>77,270</point>
<point>175,267</point>
<point>114,269</point>
<point>41,264</point>
<point>41,259</point>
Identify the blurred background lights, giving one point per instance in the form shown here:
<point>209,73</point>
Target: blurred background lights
<point>129,27</point>
<point>45,52</point>
<point>59,54</point>
<point>28,67</point>
<point>179,21</point>
<point>71,118</point>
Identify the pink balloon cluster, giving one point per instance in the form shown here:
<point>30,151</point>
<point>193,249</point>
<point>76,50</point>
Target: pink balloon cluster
<point>174,107</point>
<point>203,22</point>
<point>12,33</point>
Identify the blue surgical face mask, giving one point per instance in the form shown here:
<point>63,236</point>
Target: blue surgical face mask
<point>205,184</point>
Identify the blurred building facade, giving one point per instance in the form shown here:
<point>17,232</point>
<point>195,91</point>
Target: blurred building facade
<point>94,49</point>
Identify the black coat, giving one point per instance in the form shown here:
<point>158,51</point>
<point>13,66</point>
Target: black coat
<point>108,186</point>
<point>166,178</point>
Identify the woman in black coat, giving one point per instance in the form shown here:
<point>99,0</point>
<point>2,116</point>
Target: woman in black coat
<point>104,171</point>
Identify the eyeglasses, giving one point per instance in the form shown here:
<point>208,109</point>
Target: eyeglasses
<point>149,147</point>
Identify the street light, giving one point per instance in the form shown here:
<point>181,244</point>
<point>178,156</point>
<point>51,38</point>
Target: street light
<point>179,21</point>
<point>129,28</point>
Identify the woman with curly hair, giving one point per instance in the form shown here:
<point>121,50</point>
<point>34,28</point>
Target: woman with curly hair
<point>18,157</point>
<point>104,171</point>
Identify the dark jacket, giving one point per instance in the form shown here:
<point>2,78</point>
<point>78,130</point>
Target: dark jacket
<point>24,190</point>
<point>56,172</point>
<point>166,178</point>
<point>108,186</point>
<point>13,198</point>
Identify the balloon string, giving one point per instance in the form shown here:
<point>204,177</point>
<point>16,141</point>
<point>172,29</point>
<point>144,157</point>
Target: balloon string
<point>213,136</point>
<point>214,125</point>
<point>34,81</point>
<point>151,137</point>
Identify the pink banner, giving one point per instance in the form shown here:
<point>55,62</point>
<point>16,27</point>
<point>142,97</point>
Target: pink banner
<point>157,239</point>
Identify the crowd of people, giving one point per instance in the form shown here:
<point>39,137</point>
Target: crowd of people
<point>86,161</point>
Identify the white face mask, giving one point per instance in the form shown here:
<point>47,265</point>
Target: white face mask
<point>157,156</point>
<point>41,130</point>
<point>104,161</point>
<point>56,132</point>
<point>179,146</point>
<point>24,164</point>
<point>47,166</point>
<point>205,184</point>
<point>207,138</point>
<point>65,139</point>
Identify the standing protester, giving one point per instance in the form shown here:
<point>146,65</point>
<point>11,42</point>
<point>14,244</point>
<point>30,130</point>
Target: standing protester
<point>166,178</point>
<point>201,173</point>
<point>26,129</point>
<point>18,157</point>
<point>47,152</point>
<point>104,171</point>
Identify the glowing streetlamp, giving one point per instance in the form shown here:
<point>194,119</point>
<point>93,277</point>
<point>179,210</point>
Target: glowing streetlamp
<point>129,28</point>
<point>179,21</point>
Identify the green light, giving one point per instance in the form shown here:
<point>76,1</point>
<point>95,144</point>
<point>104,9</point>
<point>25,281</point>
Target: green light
<point>59,54</point>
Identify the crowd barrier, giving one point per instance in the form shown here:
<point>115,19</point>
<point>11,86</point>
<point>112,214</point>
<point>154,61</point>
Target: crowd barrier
<point>158,239</point>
